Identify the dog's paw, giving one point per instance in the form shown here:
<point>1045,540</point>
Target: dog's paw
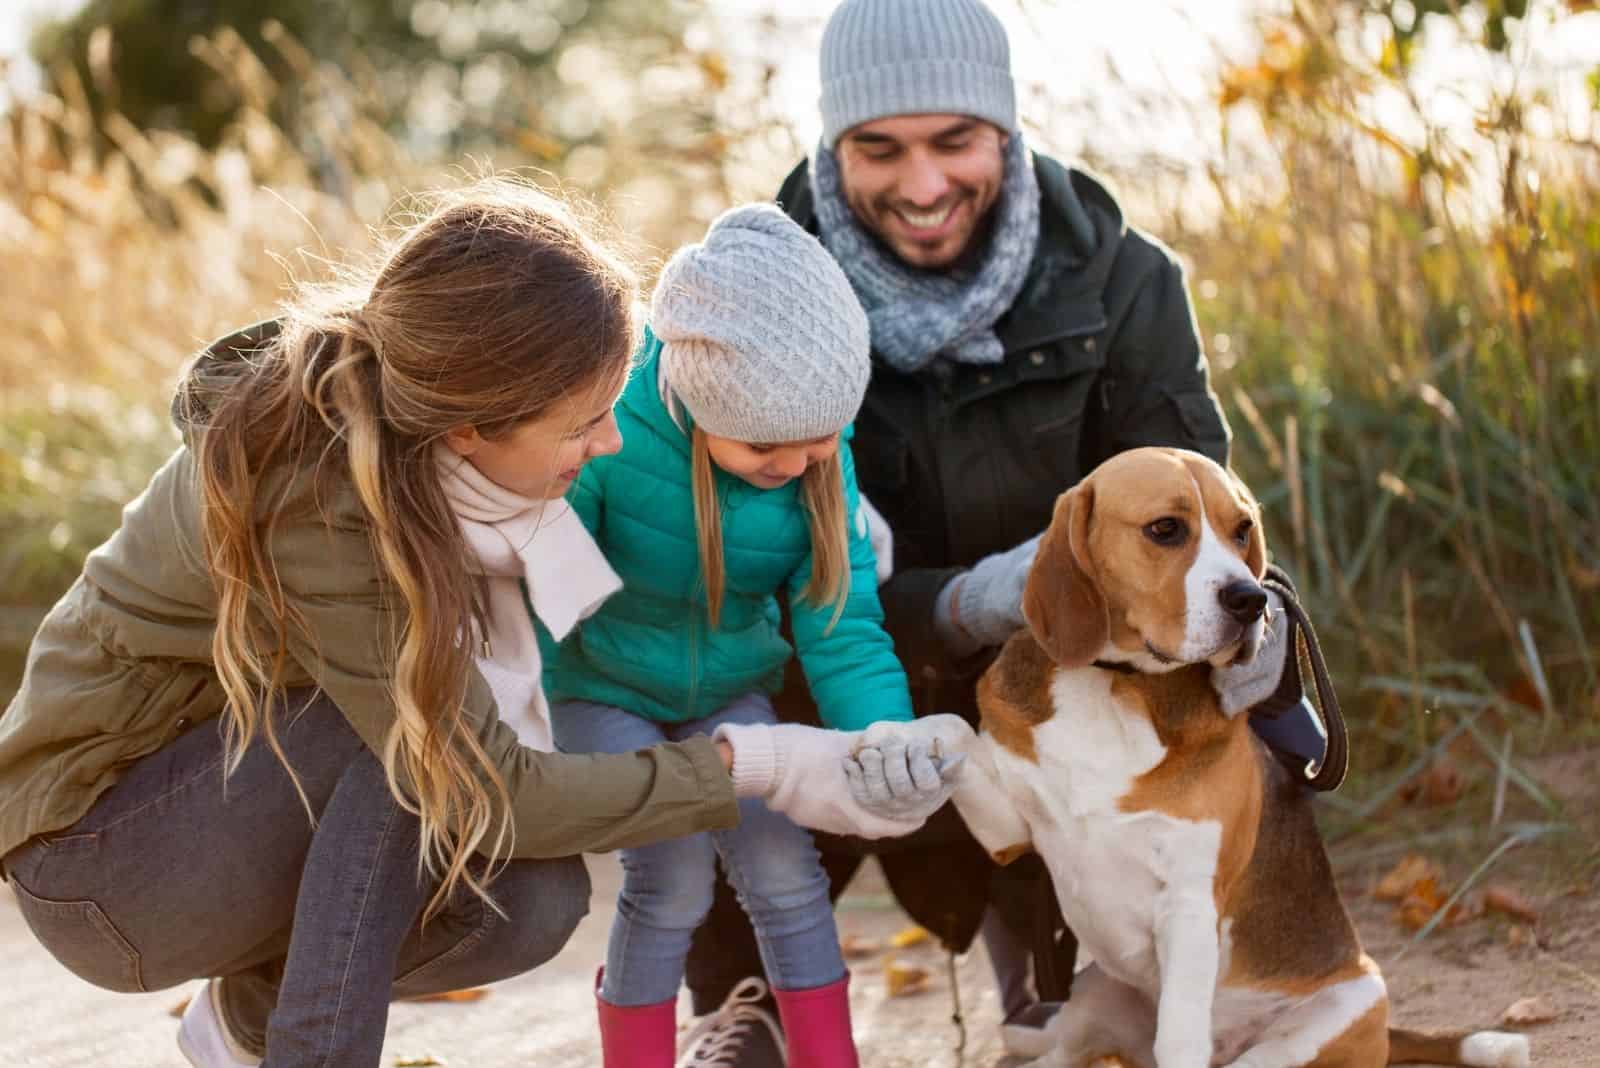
<point>948,736</point>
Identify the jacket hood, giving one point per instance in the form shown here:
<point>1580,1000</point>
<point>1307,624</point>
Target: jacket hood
<point>213,373</point>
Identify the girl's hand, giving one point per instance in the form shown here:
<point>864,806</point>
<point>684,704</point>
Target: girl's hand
<point>801,772</point>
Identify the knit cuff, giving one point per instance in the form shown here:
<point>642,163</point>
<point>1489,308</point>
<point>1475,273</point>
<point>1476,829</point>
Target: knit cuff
<point>958,641</point>
<point>975,608</point>
<point>755,758</point>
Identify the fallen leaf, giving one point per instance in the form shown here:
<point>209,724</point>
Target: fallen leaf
<point>1442,785</point>
<point>1411,870</point>
<point>1504,899</point>
<point>1517,936</point>
<point>909,936</point>
<point>1525,693</point>
<point>854,947</point>
<point>904,979</point>
<point>1526,1011</point>
<point>423,1061</point>
<point>476,993</point>
<point>1421,901</point>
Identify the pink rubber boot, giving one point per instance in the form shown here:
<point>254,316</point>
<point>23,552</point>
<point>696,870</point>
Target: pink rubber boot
<point>639,1037</point>
<point>816,1026</point>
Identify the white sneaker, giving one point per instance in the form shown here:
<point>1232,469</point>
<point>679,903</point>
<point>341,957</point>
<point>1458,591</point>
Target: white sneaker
<point>204,1039</point>
<point>738,1035</point>
<point>1028,1033</point>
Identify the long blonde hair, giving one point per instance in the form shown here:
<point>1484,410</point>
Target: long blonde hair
<point>822,495</point>
<point>487,312</point>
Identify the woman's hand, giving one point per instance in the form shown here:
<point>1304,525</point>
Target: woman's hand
<point>816,778</point>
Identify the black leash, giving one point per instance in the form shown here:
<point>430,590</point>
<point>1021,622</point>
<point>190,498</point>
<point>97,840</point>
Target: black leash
<point>1336,759</point>
<point>1055,946</point>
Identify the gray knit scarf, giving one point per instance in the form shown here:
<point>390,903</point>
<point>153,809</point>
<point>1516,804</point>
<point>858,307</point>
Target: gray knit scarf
<point>917,315</point>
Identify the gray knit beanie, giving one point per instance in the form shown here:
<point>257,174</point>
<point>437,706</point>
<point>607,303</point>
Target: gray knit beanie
<point>905,57</point>
<point>762,338</point>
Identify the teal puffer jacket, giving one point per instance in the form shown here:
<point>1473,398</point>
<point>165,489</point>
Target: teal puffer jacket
<point>651,649</point>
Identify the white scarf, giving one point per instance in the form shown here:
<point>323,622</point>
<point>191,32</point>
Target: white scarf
<point>568,579</point>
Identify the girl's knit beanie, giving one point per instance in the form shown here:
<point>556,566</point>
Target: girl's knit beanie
<point>762,338</point>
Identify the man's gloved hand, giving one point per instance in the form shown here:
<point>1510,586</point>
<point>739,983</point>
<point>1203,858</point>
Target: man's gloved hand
<point>987,600</point>
<point>1242,686</point>
<point>800,771</point>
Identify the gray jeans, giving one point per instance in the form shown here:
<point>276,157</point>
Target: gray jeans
<point>178,873</point>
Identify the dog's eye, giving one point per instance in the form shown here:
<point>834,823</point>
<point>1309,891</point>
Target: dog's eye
<point>1167,531</point>
<point>1241,533</point>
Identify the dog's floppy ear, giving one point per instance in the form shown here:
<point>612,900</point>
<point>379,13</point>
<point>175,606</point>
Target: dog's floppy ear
<point>1062,602</point>
<point>1255,554</point>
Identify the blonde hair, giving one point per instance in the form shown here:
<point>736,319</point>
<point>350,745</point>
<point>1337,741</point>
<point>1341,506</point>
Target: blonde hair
<point>492,309</point>
<point>822,495</point>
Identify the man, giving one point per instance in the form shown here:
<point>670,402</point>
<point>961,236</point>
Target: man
<point>1022,333</point>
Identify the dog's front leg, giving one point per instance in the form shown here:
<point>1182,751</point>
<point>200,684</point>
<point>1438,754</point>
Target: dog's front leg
<point>986,808</point>
<point>1187,953</point>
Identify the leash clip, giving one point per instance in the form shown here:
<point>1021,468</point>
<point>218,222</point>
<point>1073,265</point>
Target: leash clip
<point>1335,764</point>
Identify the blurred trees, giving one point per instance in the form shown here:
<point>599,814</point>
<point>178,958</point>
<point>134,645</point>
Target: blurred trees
<point>141,57</point>
<point>609,96</point>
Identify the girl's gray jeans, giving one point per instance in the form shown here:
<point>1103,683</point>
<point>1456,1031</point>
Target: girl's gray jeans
<point>178,873</point>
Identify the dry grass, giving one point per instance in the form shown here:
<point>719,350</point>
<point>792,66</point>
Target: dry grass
<point>119,262</point>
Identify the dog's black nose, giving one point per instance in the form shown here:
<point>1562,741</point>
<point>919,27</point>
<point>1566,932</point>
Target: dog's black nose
<point>1244,601</point>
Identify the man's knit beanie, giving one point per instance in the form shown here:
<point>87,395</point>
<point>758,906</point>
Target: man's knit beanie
<point>906,57</point>
<point>762,338</point>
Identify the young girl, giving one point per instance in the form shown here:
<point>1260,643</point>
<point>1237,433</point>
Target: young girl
<point>734,486</point>
<point>254,741</point>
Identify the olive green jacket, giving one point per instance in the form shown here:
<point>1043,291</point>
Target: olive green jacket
<point>122,665</point>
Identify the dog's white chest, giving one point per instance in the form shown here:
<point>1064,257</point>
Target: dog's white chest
<point>1117,873</point>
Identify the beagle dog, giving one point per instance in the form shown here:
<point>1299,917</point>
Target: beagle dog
<point>1186,858</point>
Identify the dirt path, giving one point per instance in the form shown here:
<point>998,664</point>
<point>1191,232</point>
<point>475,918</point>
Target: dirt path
<point>1463,976</point>
<point>49,1019</point>
<point>1470,974</point>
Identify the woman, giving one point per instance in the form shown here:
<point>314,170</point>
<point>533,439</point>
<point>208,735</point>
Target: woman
<point>254,742</point>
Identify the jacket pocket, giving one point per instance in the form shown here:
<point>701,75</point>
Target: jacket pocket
<point>82,937</point>
<point>178,695</point>
<point>1050,419</point>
